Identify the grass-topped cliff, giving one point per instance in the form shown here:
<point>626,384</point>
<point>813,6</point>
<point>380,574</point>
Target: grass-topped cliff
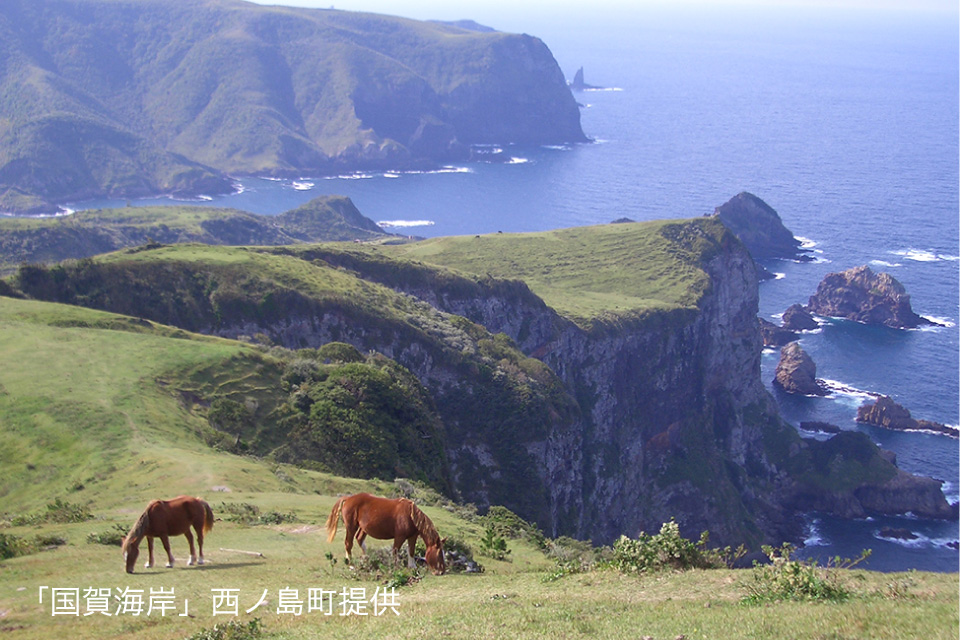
<point>171,96</point>
<point>612,371</point>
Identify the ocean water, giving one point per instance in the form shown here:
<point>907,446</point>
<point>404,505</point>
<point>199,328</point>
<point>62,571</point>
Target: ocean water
<point>845,121</point>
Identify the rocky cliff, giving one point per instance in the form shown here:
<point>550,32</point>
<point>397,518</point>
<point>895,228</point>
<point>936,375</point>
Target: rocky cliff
<point>637,401</point>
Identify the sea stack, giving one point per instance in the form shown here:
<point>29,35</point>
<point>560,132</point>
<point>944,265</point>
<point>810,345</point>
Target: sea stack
<point>861,295</point>
<point>797,372</point>
<point>759,227</point>
<point>888,414</point>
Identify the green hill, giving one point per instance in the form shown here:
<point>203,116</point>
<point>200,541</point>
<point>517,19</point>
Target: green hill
<point>88,233</point>
<point>107,97</point>
<point>94,420</point>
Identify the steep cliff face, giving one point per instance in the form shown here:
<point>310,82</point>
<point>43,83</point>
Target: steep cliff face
<point>607,426</point>
<point>664,398</point>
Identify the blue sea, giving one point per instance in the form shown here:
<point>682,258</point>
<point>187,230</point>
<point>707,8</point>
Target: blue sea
<point>845,121</point>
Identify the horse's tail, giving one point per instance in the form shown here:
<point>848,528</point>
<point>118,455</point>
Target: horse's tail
<point>334,520</point>
<point>207,516</point>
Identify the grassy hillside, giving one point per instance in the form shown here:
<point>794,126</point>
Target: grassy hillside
<point>87,233</point>
<point>101,413</point>
<point>168,96</point>
<point>589,273</point>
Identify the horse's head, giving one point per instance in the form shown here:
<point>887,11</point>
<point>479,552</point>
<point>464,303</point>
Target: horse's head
<point>435,559</point>
<point>131,551</point>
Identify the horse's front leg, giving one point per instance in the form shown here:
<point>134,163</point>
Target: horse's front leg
<point>193,552</point>
<point>166,546</point>
<point>411,549</point>
<point>149,563</point>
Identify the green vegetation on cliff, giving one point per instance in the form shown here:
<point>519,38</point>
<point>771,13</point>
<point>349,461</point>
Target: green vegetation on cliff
<point>587,273</point>
<point>87,233</point>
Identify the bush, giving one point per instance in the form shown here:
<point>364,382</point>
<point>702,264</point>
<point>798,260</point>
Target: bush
<point>507,524</point>
<point>113,537</point>
<point>787,578</point>
<point>59,511</point>
<point>12,546</point>
<point>668,550</point>
<point>232,630</point>
<point>492,545</point>
<point>250,515</point>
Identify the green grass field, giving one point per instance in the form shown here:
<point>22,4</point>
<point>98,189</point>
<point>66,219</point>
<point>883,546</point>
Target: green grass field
<point>90,415</point>
<point>586,273</point>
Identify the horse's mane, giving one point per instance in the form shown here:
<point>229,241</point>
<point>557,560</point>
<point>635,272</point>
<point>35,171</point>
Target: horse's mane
<point>424,525</point>
<point>139,528</point>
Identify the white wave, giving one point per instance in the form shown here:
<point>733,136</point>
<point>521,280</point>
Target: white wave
<point>598,89</point>
<point>884,263</point>
<point>805,243</point>
<point>390,174</point>
<point>920,542</point>
<point>452,170</point>
<point>350,176</point>
<point>518,161</point>
<point>924,255</point>
<point>271,179</point>
<point>820,260</point>
<point>301,186</point>
<point>949,488</point>
<point>814,538</point>
<point>238,188</point>
<point>204,198</point>
<point>946,322</point>
<point>558,147</point>
<point>779,276</point>
<point>406,223</point>
<point>489,149</point>
<point>841,390</point>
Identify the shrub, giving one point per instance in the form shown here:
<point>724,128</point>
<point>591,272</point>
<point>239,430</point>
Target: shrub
<point>112,537</point>
<point>59,511</point>
<point>231,630</point>
<point>12,546</point>
<point>668,550</point>
<point>787,578</point>
<point>250,515</point>
<point>492,545</point>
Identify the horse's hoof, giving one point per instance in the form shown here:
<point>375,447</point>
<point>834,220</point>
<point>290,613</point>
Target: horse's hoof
<point>200,561</point>
<point>146,565</point>
<point>169,565</point>
<point>190,562</point>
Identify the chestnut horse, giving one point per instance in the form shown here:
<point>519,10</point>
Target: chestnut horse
<point>163,518</point>
<point>384,519</point>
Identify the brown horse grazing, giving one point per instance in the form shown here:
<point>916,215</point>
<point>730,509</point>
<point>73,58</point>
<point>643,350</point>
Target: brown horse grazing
<point>384,519</point>
<point>164,518</point>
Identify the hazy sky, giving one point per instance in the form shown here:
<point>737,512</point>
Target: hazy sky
<point>447,9</point>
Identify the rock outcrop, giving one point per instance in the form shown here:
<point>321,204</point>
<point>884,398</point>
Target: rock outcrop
<point>759,227</point>
<point>774,336</point>
<point>861,295</point>
<point>886,413</point>
<point>797,372</point>
<point>578,84</point>
<point>854,481</point>
<point>797,318</point>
